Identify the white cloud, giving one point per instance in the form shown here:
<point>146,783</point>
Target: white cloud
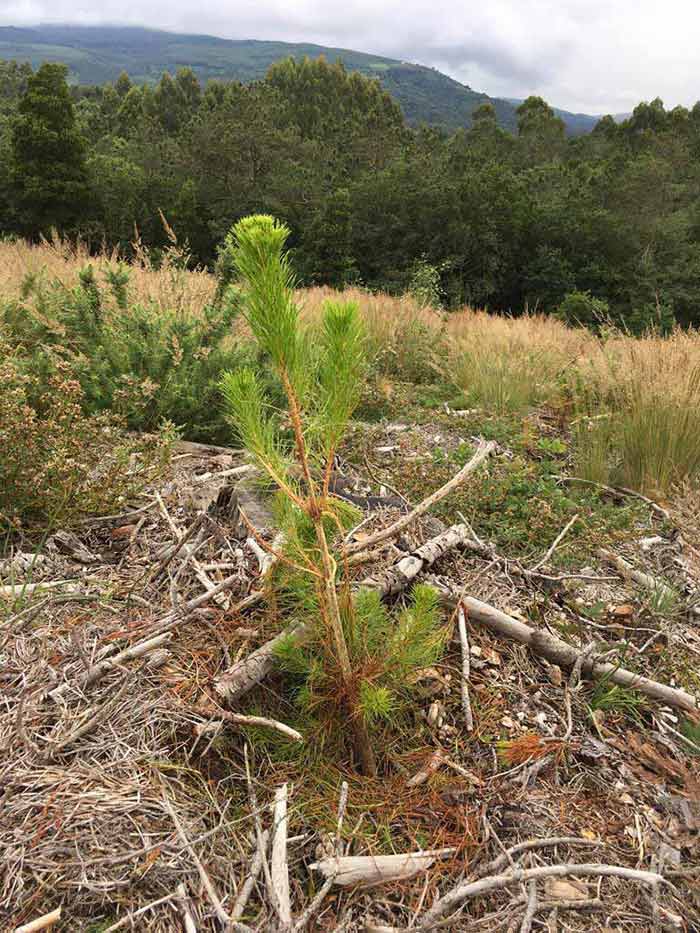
<point>593,55</point>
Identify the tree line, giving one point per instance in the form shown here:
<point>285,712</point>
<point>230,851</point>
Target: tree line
<point>600,227</point>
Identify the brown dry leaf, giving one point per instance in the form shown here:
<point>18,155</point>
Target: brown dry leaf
<point>623,612</point>
<point>655,767</point>
<point>558,889</point>
<point>123,531</point>
<point>492,657</point>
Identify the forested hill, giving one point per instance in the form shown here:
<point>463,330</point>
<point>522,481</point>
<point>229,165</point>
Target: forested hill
<point>98,54</point>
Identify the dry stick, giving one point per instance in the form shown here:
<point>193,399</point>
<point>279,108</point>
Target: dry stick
<point>617,491</point>
<point>315,904</point>
<point>531,909</point>
<point>629,572</point>
<point>130,917</point>
<point>279,868</point>
<point>206,880</point>
<point>401,574</point>
<point>214,713</point>
<point>184,903</point>
<point>98,671</point>
<point>15,591</point>
<point>462,892</point>
<point>40,923</point>
<point>464,641</point>
<point>555,544</point>
<point>222,474</point>
<point>248,672</point>
<point>174,551</point>
<point>483,451</point>
<point>89,724</point>
<point>249,883</point>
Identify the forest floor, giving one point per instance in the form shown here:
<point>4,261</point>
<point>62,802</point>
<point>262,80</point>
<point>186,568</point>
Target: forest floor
<point>131,799</point>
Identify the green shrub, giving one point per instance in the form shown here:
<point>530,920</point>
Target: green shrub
<point>147,363</point>
<point>582,309</point>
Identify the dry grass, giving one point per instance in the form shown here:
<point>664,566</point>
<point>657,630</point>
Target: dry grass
<point>169,287</point>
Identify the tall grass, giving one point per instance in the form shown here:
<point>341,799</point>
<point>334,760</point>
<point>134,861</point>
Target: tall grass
<point>644,396</point>
<point>509,365</point>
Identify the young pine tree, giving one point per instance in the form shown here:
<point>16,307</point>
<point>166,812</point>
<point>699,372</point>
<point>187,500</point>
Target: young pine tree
<point>356,657</point>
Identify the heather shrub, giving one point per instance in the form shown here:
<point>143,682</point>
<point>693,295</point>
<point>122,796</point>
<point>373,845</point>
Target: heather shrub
<point>58,464</point>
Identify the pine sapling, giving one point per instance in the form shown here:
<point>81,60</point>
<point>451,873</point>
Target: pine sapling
<point>321,385</point>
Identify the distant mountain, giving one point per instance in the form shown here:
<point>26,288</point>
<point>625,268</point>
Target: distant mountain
<point>96,54</point>
<point>576,123</point>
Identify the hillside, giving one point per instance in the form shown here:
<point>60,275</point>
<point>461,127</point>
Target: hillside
<point>98,54</point>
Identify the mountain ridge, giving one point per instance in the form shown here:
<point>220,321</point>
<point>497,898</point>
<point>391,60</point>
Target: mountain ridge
<point>97,54</point>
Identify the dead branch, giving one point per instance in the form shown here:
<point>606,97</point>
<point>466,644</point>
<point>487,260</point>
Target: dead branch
<point>206,880</point>
<point>464,642</point>
<point>98,671</point>
<point>450,901</point>
<point>628,572</point>
<point>279,868</point>
<point>41,923</point>
<point>371,870</point>
<point>560,652</point>
<point>248,672</point>
<point>184,905</point>
<point>483,451</point>
<point>128,920</point>
<point>398,577</point>
<point>249,883</point>
<point>215,713</point>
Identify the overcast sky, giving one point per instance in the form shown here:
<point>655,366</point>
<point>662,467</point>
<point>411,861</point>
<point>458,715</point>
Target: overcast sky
<point>598,56</point>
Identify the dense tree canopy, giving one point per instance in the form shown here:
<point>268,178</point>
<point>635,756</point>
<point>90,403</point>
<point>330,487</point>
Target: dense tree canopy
<point>48,178</point>
<point>510,221</point>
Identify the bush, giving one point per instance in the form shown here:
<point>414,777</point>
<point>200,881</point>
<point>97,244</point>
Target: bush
<point>424,285</point>
<point>582,309</point>
<point>146,362</point>
<point>57,464</point>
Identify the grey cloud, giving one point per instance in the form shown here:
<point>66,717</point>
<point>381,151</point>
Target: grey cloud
<point>592,55</point>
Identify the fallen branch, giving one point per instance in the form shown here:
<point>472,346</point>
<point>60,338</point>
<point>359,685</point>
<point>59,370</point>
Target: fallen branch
<point>98,671</point>
<point>464,642</point>
<point>618,491</point>
<point>248,885</point>
<point>205,879</point>
<point>370,870</point>
<point>628,572</point>
<point>248,672</point>
<point>184,904</point>
<point>560,652</point>
<point>214,713</point>
<point>482,452</point>
<point>398,577</point>
<point>41,923</point>
<point>128,920</point>
<point>462,892</point>
<point>279,868</point>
